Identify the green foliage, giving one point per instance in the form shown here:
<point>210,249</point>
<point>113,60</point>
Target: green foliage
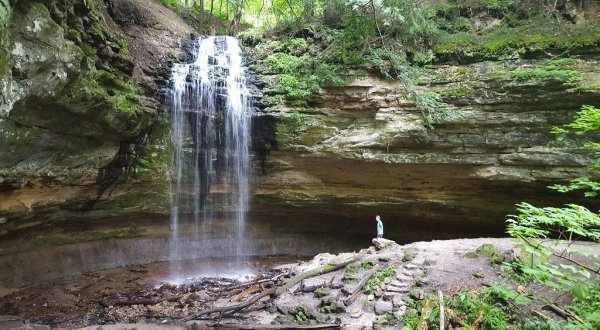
<point>491,308</point>
<point>543,324</point>
<point>373,284</point>
<point>560,63</point>
<point>590,187</point>
<point>367,265</point>
<point>171,3</point>
<point>586,121</point>
<point>298,75</point>
<point>586,304</point>
<point>568,224</point>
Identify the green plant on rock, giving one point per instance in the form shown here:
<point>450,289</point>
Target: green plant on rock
<point>393,66</point>
<point>380,276</point>
<point>541,75</point>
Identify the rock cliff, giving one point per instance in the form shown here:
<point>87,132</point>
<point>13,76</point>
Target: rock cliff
<point>363,149</point>
<point>80,100</point>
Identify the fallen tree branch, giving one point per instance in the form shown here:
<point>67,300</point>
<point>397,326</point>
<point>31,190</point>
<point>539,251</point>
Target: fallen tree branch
<point>232,308</point>
<point>273,292</point>
<point>146,302</point>
<point>353,294</point>
<point>316,272</point>
<point>243,285</point>
<point>566,314</point>
<point>312,288</point>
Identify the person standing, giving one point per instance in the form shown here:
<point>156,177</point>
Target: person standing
<point>379,226</point>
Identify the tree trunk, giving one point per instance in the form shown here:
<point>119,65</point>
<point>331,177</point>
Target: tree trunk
<point>201,15</point>
<point>233,27</point>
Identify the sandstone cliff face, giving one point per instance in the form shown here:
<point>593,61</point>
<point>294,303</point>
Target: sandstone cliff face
<point>363,149</point>
<point>80,96</point>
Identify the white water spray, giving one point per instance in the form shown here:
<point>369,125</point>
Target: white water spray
<point>210,114</point>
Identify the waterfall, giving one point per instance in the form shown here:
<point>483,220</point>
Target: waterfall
<point>210,115</point>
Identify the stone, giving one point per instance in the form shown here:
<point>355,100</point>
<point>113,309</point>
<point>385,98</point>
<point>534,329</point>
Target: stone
<point>401,289</point>
<point>411,266</point>
<point>378,293</point>
<point>371,297</point>
<point>355,312</point>
<point>486,250</point>
<point>421,282</point>
<point>409,254</point>
<point>388,295</point>
<point>417,294</point>
<point>339,307</point>
<point>397,301</point>
<point>382,307</point>
<point>322,292</point>
<point>398,283</point>
<point>354,327</point>
<point>383,243</point>
<point>403,278</point>
<point>283,309</point>
<point>400,312</point>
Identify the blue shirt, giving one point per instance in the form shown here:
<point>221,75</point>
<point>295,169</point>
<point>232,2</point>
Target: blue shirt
<point>379,227</point>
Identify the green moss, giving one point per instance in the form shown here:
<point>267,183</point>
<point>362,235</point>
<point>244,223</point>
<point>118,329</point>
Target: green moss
<point>301,129</point>
<point>541,75</point>
<point>487,250</point>
<point>380,276</point>
<point>298,74</point>
<point>534,34</point>
<point>456,92</point>
<point>588,88</point>
<point>409,254</point>
<point>4,62</point>
<point>97,31</point>
<point>560,63</point>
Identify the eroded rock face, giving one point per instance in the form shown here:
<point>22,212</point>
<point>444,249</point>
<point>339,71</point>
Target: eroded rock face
<point>363,150</point>
<point>80,92</point>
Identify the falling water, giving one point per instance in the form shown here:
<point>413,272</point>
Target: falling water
<point>210,128</point>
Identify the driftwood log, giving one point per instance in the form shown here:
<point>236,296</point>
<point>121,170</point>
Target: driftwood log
<point>275,291</point>
<point>353,293</point>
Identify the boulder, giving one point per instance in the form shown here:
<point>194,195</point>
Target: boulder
<point>382,307</point>
<point>383,243</point>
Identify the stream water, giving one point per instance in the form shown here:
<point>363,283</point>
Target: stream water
<point>211,133</point>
